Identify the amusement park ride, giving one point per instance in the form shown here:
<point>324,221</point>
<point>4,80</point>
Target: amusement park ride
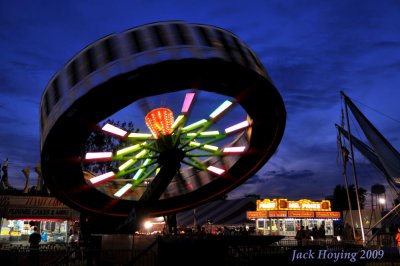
<point>183,159</point>
<point>378,150</point>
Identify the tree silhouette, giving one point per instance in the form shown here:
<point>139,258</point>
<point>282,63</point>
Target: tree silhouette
<point>339,201</point>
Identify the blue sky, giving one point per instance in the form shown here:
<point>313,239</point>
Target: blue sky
<point>311,49</point>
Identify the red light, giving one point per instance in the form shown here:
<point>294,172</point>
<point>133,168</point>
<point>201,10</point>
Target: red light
<point>160,121</point>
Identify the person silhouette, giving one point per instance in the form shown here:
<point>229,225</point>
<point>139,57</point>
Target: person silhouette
<point>397,238</point>
<point>34,240</point>
<point>300,235</point>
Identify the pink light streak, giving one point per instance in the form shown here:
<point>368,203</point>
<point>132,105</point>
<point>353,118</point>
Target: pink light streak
<point>188,101</point>
<point>98,155</point>
<point>234,149</point>
<point>102,177</point>
<point>215,170</point>
<point>237,127</point>
<point>114,130</point>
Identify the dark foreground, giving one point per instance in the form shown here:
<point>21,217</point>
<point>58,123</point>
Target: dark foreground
<point>206,250</point>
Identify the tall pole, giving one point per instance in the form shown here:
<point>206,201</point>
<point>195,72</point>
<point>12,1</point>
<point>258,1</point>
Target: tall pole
<point>354,173</point>
<point>344,159</point>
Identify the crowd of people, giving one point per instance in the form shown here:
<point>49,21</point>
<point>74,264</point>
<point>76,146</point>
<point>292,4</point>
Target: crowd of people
<point>224,230</point>
<point>345,232</point>
<point>208,229</point>
<point>305,233</point>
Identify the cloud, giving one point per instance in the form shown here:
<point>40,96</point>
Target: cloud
<point>275,182</point>
<point>256,179</point>
<point>292,174</point>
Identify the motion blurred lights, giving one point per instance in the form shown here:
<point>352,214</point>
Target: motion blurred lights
<point>220,109</point>
<point>138,174</point>
<point>204,134</point>
<point>140,171</point>
<point>102,177</point>
<point>140,135</point>
<point>194,125</point>
<point>123,190</point>
<point>141,154</point>
<point>114,130</point>
<point>187,102</point>
<point>98,155</point>
<point>210,147</point>
<point>177,121</point>
<point>237,127</point>
<point>160,121</point>
<point>126,164</point>
<point>129,149</point>
<point>146,162</point>
<point>203,146</point>
<point>215,170</point>
<point>234,149</point>
<point>194,144</point>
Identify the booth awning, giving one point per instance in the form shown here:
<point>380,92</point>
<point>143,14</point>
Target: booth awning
<point>35,208</point>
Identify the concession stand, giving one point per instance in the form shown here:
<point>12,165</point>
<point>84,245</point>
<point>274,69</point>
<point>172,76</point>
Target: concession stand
<point>284,217</point>
<point>19,214</point>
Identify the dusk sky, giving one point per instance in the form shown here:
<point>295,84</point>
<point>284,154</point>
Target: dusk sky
<point>311,49</point>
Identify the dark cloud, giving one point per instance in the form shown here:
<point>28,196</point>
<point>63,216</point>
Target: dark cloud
<point>256,179</point>
<point>292,174</point>
<point>387,45</point>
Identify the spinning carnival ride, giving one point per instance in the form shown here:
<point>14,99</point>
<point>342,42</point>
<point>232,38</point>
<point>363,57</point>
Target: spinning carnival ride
<point>183,159</point>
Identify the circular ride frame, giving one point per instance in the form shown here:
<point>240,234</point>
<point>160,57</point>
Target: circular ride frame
<point>145,61</point>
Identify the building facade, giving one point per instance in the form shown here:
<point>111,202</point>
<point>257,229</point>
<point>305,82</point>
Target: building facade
<point>19,214</point>
<point>285,217</point>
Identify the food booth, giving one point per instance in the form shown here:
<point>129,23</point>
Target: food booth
<point>284,217</point>
<point>19,214</point>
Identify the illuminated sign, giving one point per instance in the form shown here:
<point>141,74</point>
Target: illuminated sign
<point>277,214</point>
<point>331,215</point>
<point>266,204</point>
<point>251,215</point>
<point>256,215</point>
<point>30,213</point>
<point>284,204</point>
<point>294,205</point>
<point>29,207</point>
<point>301,214</point>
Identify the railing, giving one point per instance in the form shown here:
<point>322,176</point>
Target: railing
<point>46,254</point>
